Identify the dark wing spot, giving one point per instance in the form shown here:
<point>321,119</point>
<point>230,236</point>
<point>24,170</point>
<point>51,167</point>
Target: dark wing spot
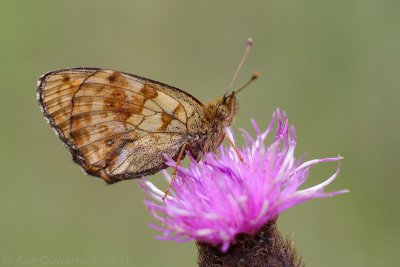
<point>148,91</point>
<point>178,109</point>
<point>166,120</point>
<point>113,77</point>
<point>118,94</point>
<point>110,142</point>
<point>66,79</point>
<point>121,108</point>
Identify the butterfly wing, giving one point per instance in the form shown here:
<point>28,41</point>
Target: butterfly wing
<point>116,125</point>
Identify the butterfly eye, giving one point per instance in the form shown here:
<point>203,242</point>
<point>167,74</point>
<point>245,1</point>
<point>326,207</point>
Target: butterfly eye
<point>222,112</point>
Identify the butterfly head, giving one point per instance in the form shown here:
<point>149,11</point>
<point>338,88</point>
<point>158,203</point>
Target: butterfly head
<point>226,109</point>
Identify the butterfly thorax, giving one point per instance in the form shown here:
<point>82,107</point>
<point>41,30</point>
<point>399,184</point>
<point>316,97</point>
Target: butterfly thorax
<point>219,114</point>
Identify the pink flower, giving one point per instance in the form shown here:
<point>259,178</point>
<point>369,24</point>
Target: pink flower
<point>214,200</point>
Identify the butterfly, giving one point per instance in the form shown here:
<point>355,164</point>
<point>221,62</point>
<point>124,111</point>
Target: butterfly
<point>119,126</point>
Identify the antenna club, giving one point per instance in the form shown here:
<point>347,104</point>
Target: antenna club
<point>255,76</point>
<point>249,41</point>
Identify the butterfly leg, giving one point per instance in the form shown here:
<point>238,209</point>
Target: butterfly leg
<point>178,162</point>
<point>235,148</point>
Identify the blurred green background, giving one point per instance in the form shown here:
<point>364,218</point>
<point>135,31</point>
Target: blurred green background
<point>333,66</point>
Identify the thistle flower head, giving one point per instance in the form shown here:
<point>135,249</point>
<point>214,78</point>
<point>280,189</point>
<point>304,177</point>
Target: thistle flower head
<point>214,200</point>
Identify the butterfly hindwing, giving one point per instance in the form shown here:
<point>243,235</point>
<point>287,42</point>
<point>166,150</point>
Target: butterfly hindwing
<point>117,125</point>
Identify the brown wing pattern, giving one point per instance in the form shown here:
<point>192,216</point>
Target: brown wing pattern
<point>116,125</point>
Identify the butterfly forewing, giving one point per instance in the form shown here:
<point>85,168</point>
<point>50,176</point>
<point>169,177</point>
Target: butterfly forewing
<point>117,125</point>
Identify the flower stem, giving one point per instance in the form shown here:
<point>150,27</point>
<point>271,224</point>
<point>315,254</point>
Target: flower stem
<point>267,248</point>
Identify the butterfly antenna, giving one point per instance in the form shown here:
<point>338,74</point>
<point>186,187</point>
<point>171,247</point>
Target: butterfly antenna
<point>252,79</point>
<point>249,44</point>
